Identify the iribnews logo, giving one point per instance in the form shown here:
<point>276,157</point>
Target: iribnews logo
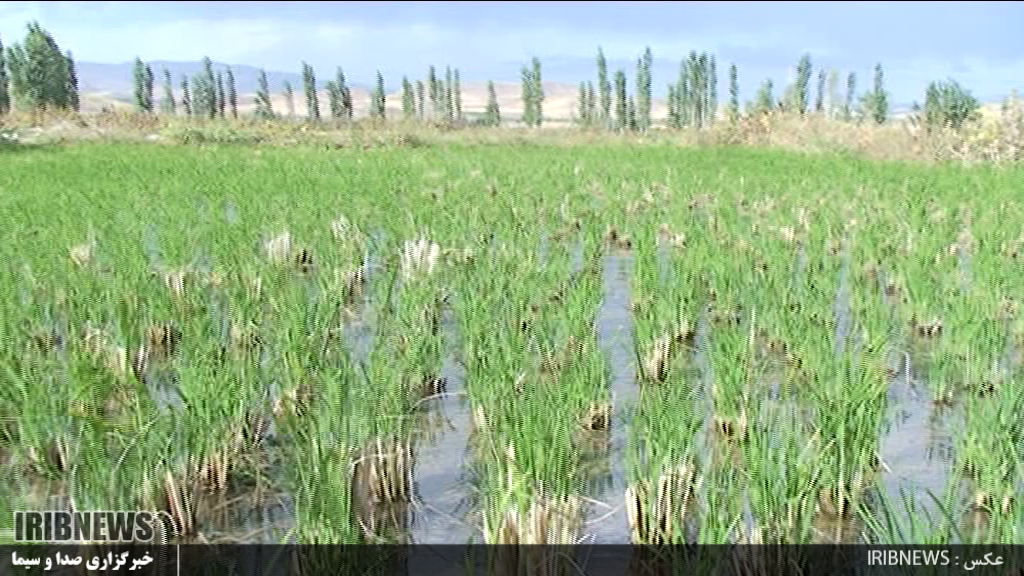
<point>85,526</point>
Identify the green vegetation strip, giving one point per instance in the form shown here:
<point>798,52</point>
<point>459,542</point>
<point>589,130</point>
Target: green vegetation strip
<point>257,322</point>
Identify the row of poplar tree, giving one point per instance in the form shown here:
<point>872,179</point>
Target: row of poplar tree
<point>693,97</point>
<point>210,94</point>
<point>36,74</point>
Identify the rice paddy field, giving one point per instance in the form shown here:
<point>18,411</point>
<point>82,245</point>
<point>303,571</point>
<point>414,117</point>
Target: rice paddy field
<point>513,344</point>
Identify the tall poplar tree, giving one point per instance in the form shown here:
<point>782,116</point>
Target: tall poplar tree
<point>312,99</point>
<point>538,93</point>
<point>408,99</point>
<point>712,83</point>
<point>803,80</point>
<point>345,92</point>
<point>15,60</point>
<point>591,103</point>
<point>143,92</point>
<point>528,99</point>
<point>168,104</point>
<point>880,99</point>
<point>851,91</point>
<point>198,96</point>
<point>289,99</point>
<point>581,101</point>
<point>421,100</point>
<point>434,88</point>
<point>819,101</point>
<point>209,89</point>
<point>492,114</point>
<point>232,93</point>
<point>698,88</point>
<point>221,95</point>
<point>5,84</point>
<point>449,98</point>
<point>684,94</point>
<point>71,85</point>
<point>672,102</point>
<point>186,97</point>
<point>734,93</point>
<point>334,104</point>
<point>833,106</point>
<point>765,100</point>
<point>621,101</point>
<point>643,91</point>
<point>264,107</point>
<point>40,76</point>
<point>604,88</point>
<point>378,99</point>
<point>457,96</point>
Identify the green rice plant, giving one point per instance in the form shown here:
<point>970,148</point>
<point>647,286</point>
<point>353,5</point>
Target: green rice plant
<point>722,510</point>
<point>322,478</point>
<point>662,316</point>
<point>665,471</point>
<point>785,475</point>
<point>784,290</point>
<point>987,459</point>
<point>911,521</point>
<point>528,463</point>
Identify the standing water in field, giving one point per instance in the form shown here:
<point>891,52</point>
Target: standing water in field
<point>842,307</point>
<point>702,357</point>
<point>151,246</point>
<point>918,448</point>
<point>442,502</point>
<point>608,523</point>
<point>231,213</point>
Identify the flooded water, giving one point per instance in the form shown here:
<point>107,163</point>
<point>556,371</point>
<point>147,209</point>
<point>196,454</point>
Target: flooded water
<point>608,523</point>
<point>442,486</point>
<point>916,448</point>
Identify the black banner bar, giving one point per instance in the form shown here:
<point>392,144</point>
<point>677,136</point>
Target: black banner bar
<point>474,560</point>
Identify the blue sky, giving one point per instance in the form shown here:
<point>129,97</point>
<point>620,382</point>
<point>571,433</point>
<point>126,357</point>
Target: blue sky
<point>977,43</point>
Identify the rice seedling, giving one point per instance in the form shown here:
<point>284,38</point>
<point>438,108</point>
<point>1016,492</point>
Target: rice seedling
<point>175,342</point>
<point>666,472</point>
<point>548,364</point>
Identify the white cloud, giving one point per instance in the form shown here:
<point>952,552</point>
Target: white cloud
<point>984,78</point>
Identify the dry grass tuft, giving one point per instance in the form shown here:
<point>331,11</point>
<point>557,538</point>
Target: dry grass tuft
<point>598,417</point>
<point>105,351</point>
<point>82,254</point>
<point>553,521</point>
<point>160,344</point>
<point>617,240</point>
<point>419,258</point>
<point>658,360</point>
<point>929,329</point>
<point>278,249</point>
<point>382,478</point>
<point>179,498</point>
<point>661,520</point>
<point>997,136</point>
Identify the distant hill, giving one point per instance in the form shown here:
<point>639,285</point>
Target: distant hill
<point>116,79</point>
<point>110,86</point>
